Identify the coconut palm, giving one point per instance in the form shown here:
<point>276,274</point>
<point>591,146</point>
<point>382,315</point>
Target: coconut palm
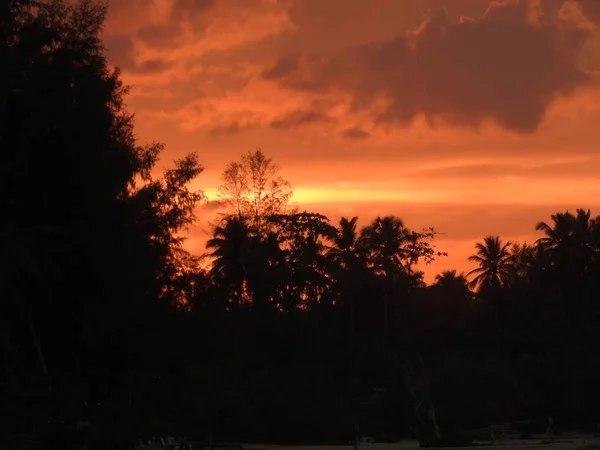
<point>346,255</point>
<point>570,239</point>
<point>495,263</point>
<point>451,281</point>
<point>231,244</point>
<point>346,243</point>
<point>453,290</point>
<point>383,242</point>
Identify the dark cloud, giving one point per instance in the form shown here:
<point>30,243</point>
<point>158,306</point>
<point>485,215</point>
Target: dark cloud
<point>188,8</point>
<point>355,133</point>
<point>299,117</point>
<point>160,35</point>
<point>152,66</point>
<point>286,65</point>
<point>233,128</point>
<point>501,66</point>
<point>118,50</point>
<point>591,9</point>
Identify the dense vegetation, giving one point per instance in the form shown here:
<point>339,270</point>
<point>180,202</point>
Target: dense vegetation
<point>290,329</point>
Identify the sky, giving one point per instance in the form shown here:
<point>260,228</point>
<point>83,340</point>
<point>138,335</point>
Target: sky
<point>474,117</point>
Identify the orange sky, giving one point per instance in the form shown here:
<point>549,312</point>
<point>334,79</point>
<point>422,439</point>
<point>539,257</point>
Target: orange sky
<point>471,116</point>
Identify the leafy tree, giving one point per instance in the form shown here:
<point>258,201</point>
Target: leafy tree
<point>392,251</point>
<point>303,238</point>
<point>267,273</point>
<point>251,188</point>
<point>91,236</point>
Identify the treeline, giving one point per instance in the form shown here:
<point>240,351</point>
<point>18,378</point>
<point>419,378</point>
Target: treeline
<point>289,329</point>
<point>513,340</point>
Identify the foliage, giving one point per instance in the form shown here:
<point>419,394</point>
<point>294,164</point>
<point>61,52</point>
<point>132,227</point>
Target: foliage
<point>251,188</point>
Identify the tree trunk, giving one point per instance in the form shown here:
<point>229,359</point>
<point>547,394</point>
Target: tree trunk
<point>351,319</point>
<point>417,384</point>
<point>385,314</point>
<point>428,431</point>
<point>38,348</point>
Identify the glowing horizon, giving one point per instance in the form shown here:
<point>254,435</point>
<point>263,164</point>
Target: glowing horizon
<point>471,116</point>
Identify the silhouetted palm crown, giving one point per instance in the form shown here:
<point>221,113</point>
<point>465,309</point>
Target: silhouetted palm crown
<point>495,263</point>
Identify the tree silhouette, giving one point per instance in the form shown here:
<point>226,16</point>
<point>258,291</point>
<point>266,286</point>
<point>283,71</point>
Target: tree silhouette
<point>384,242</point>
<point>345,242</point>
<point>569,239</point>
<point>570,242</point>
<point>267,272</point>
<point>347,255</point>
<point>251,188</point>
<point>231,244</point>
<point>495,264</point>
<point>30,263</point>
<point>303,238</point>
<point>384,239</point>
<point>89,240</point>
<point>452,282</point>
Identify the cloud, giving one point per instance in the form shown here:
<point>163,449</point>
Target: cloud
<point>171,39</point>
<point>591,9</point>
<point>299,117</point>
<point>118,50</point>
<point>235,127</point>
<point>574,169</point>
<point>160,35</point>
<point>505,66</point>
<point>355,133</point>
<point>186,8</point>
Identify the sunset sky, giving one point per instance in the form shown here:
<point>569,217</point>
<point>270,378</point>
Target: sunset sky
<point>471,116</point>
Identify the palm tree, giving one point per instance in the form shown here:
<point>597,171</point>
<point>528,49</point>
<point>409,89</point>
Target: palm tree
<point>570,239</point>
<point>529,261</point>
<point>495,263</point>
<point>345,242</point>
<point>345,254</point>
<point>383,241</point>
<point>450,281</point>
<point>231,244</point>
